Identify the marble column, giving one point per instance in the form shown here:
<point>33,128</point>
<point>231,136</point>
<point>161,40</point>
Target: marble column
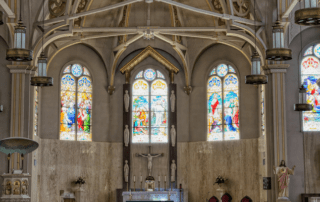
<point>21,99</point>
<point>276,122</point>
<point>172,121</point>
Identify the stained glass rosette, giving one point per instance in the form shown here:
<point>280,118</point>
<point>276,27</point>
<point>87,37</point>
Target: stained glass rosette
<point>150,74</point>
<point>222,70</point>
<point>76,70</point>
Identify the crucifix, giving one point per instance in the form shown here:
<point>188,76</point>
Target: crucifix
<point>149,156</point>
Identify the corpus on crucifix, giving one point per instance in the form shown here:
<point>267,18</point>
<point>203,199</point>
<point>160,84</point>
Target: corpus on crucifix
<point>149,156</point>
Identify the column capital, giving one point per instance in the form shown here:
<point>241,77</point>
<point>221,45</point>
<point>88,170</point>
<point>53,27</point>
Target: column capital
<point>22,69</point>
<point>276,68</point>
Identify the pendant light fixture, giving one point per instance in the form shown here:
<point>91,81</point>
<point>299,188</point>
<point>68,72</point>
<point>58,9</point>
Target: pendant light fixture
<point>19,53</point>
<point>1,17</point>
<point>278,52</point>
<point>256,77</point>
<point>302,105</point>
<point>309,15</point>
<point>42,79</point>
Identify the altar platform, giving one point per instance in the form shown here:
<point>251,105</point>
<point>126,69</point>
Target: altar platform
<point>144,196</point>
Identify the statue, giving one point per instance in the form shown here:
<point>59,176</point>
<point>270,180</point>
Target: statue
<point>8,188</point>
<point>126,171</point>
<point>173,171</point>
<point>172,101</point>
<point>282,175</point>
<point>126,101</point>
<point>173,135</point>
<point>126,136</point>
<point>149,157</point>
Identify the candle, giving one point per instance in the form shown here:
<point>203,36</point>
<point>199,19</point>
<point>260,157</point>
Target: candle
<point>134,178</point>
<point>165,178</point>
<point>159,178</point>
<point>141,178</point>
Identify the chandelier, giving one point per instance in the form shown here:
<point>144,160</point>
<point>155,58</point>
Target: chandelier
<point>302,105</point>
<point>309,15</point>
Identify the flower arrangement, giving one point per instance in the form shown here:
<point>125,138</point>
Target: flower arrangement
<point>220,180</point>
<point>80,181</point>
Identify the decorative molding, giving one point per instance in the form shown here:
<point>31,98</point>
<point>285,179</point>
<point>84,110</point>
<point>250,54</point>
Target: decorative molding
<point>57,8</point>
<point>124,22</point>
<point>81,7</point>
<point>149,51</point>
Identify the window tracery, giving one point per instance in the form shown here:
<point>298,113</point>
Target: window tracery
<point>149,108</point>
<point>76,104</point>
<point>223,104</point>
<point>310,73</point>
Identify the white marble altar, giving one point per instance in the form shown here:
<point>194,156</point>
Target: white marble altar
<point>153,196</point>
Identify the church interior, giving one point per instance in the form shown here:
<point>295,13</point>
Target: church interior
<point>159,100</point>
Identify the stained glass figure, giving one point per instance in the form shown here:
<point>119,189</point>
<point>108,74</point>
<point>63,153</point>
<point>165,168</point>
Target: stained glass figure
<point>36,106</point>
<point>76,105</point>
<point>222,70</point>
<point>150,74</point>
<point>76,70</point>
<point>139,75</point>
<point>223,105</point>
<point>150,108</point>
<point>160,75</point>
<point>310,73</point>
<point>309,51</point>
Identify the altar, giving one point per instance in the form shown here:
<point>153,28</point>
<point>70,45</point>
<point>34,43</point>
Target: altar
<point>143,196</point>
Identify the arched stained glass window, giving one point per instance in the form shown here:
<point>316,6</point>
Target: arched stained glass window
<point>310,73</point>
<point>223,104</point>
<point>149,108</point>
<point>76,104</point>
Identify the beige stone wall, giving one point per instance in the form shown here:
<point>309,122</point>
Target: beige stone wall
<point>64,161</point>
<point>199,164</point>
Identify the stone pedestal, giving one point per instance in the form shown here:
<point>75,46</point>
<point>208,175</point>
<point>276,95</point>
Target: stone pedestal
<point>80,195</point>
<point>283,199</point>
<point>15,188</point>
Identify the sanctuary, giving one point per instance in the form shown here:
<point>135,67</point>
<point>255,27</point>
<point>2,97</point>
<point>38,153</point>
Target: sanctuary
<point>159,100</point>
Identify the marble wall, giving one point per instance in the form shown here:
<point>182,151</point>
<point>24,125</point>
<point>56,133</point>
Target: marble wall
<point>199,164</point>
<point>63,162</point>
<point>312,162</point>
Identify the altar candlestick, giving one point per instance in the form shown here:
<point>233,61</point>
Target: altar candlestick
<point>165,178</point>
<point>141,178</point>
<point>134,178</point>
<point>159,178</point>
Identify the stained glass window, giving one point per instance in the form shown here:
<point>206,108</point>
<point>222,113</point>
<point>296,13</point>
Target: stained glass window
<point>76,104</point>
<point>223,104</point>
<point>310,73</point>
<point>36,112</point>
<point>150,108</point>
<point>262,108</point>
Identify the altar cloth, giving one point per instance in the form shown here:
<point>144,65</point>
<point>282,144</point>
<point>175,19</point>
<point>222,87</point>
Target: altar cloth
<point>150,196</point>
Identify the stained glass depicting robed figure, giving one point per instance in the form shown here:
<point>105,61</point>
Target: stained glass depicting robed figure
<point>310,73</point>
<point>223,104</point>
<point>76,104</point>
<point>149,107</point>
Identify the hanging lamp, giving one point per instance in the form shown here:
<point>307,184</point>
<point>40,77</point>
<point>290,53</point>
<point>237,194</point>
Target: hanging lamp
<point>302,105</point>
<point>256,77</point>
<point>19,53</point>
<point>278,52</point>
<point>1,17</point>
<point>309,15</point>
<point>42,79</point>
